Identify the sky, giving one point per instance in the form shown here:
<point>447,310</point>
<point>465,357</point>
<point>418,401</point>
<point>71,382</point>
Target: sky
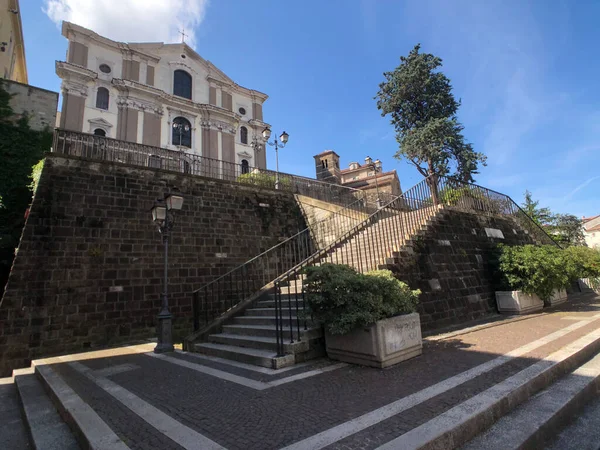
<point>525,71</point>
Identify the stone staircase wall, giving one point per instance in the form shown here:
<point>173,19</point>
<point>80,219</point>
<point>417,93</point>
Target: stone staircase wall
<point>449,261</point>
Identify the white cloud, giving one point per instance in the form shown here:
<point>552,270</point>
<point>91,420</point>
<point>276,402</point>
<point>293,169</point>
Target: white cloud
<point>132,20</point>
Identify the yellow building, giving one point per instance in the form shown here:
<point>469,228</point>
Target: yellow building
<point>12,47</point>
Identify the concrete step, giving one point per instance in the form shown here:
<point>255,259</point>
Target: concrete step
<point>535,423</point>
<point>264,320</point>
<point>583,432</point>
<point>237,340</point>
<point>263,358</point>
<point>284,303</point>
<point>45,427</point>
<point>13,431</point>
<point>465,421</point>
<point>270,331</point>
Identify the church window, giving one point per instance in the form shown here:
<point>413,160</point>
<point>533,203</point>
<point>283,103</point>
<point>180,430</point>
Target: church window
<point>242,111</point>
<point>244,135</point>
<point>182,132</point>
<point>102,98</point>
<point>155,162</point>
<point>182,84</point>
<point>99,132</point>
<point>105,68</point>
<point>245,166</point>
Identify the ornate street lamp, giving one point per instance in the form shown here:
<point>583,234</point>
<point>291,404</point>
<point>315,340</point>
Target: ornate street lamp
<point>373,165</point>
<point>164,218</point>
<point>181,128</point>
<point>283,138</point>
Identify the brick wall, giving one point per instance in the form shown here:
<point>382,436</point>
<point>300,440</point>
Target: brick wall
<point>449,262</point>
<point>89,266</point>
<point>39,104</point>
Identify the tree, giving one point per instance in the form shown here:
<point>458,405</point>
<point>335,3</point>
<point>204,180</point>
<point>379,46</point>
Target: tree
<point>542,216</point>
<point>567,230</point>
<point>419,99</point>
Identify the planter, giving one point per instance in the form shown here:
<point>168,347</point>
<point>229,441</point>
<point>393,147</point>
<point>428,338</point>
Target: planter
<point>558,297</point>
<point>382,344</point>
<point>517,302</point>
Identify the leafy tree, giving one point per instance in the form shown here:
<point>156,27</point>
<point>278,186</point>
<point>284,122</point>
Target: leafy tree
<point>542,216</point>
<point>20,148</point>
<point>567,229</point>
<point>419,99</point>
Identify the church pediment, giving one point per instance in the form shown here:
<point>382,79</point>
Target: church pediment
<point>100,122</point>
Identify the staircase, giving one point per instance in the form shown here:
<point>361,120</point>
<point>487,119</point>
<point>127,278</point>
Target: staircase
<point>263,325</point>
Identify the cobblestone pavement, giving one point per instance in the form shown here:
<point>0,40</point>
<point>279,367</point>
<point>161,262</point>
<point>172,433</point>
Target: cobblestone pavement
<point>243,415</point>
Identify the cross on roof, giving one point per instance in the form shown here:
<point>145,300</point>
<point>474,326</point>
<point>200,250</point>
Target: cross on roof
<point>183,35</point>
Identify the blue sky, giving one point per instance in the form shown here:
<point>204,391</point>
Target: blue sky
<point>526,71</point>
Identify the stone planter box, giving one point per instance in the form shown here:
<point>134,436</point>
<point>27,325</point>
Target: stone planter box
<point>383,344</point>
<point>557,297</point>
<point>517,302</point>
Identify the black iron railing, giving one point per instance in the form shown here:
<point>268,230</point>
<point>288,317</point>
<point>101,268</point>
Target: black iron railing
<point>229,290</point>
<point>114,150</point>
<point>367,246</point>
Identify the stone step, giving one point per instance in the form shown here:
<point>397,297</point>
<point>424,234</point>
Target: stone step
<point>46,428</point>
<point>535,423</point>
<point>463,422</point>
<point>264,320</point>
<point>270,330</point>
<point>284,303</point>
<point>257,342</point>
<point>271,311</point>
<point>263,358</point>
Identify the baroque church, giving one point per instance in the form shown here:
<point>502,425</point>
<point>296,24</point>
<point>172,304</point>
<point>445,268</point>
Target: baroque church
<point>161,95</point>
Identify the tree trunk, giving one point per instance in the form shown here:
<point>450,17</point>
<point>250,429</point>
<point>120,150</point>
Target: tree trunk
<point>432,182</point>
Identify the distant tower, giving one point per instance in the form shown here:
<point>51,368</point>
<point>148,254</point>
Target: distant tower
<point>327,165</point>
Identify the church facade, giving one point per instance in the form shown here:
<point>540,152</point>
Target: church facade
<point>161,95</point>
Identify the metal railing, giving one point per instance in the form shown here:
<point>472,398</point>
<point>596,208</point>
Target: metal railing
<point>229,290</point>
<point>366,246</point>
<point>113,150</point>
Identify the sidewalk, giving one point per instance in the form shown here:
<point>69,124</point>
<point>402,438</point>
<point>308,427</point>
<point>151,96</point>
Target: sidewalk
<point>183,400</point>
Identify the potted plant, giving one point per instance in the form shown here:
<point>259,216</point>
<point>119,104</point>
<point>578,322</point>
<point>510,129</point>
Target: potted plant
<point>369,319</point>
<point>531,276</point>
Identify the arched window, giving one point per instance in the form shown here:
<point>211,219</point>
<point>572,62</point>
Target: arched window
<point>182,84</point>
<point>245,166</point>
<point>99,132</point>
<point>244,135</point>
<point>182,132</point>
<point>102,98</point>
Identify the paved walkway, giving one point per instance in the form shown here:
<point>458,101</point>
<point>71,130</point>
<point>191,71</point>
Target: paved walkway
<point>188,401</point>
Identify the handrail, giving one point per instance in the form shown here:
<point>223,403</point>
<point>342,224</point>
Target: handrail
<point>276,246</point>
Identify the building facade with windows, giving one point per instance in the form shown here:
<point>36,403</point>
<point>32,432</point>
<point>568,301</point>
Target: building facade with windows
<point>12,46</point>
<point>591,231</point>
<point>161,95</point>
<point>369,176</point>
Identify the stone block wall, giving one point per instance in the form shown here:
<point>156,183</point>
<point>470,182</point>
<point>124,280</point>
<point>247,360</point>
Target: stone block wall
<point>89,267</point>
<point>450,262</point>
<point>38,104</point>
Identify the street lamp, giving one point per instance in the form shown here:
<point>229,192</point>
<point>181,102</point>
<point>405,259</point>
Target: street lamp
<point>164,218</point>
<point>180,128</point>
<point>283,138</point>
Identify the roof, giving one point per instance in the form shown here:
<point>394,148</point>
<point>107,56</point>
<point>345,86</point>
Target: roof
<point>587,219</point>
<point>594,228</point>
<point>326,152</point>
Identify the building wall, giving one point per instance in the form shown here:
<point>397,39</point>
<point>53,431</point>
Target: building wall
<point>592,238</point>
<point>39,105</point>
<point>450,263</point>
<point>215,99</point>
<point>89,267</point>
<point>12,57</point>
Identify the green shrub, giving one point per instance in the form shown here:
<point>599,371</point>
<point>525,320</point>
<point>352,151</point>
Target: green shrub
<point>343,300</point>
<point>582,262</point>
<point>265,180</point>
<point>534,269</point>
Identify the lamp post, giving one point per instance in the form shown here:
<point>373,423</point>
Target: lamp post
<point>181,128</point>
<point>374,167</point>
<point>164,218</point>
<point>283,138</point>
